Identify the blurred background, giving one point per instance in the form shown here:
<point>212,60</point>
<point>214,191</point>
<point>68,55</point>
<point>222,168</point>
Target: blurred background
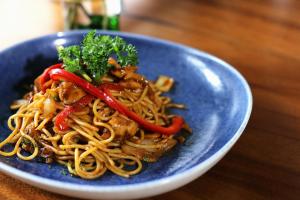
<point>40,17</point>
<point>228,29</point>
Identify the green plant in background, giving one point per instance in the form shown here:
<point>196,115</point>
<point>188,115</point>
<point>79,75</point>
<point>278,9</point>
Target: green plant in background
<point>106,18</point>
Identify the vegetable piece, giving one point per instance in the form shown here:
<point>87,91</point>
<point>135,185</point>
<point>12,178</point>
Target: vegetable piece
<point>71,58</point>
<point>61,119</point>
<point>45,75</point>
<point>49,107</point>
<point>104,94</point>
<point>164,83</point>
<point>91,60</point>
<point>70,93</point>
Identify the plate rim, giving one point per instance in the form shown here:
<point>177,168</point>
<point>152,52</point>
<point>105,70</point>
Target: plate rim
<point>149,188</point>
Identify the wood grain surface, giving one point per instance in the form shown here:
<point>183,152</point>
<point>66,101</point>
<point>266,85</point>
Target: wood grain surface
<point>261,38</point>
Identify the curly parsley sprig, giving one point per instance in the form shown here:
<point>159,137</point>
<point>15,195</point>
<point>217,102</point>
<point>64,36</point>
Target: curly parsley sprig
<point>90,59</point>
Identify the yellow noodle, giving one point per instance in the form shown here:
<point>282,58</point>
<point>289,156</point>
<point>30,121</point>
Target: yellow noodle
<point>91,145</point>
<point>14,151</point>
<point>144,146</point>
<point>34,144</point>
<point>55,150</point>
<point>112,132</point>
<point>82,123</point>
<point>70,168</point>
<point>53,139</point>
<point>67,137</point>
<point>42,124</point>
<point>36,118</point>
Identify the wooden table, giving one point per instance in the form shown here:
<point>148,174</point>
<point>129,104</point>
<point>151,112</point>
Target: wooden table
<point>260,38</point>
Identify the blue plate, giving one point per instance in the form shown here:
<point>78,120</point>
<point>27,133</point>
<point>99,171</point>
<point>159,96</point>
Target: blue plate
<point>219,104</point>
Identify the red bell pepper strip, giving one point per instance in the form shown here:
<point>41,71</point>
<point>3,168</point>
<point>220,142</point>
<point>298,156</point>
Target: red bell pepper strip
<point>61,119</point>
<point>177,121</point>
<point>44,77</point>
<point>111,86</point>
<point>104,94</point>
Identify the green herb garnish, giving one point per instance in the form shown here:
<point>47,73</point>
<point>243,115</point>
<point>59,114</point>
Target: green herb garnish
<point>90,59</point>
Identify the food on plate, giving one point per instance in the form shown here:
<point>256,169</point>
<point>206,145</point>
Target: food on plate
<point>93,112</point>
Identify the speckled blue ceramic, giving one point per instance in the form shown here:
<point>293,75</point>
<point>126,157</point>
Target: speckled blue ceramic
<point>218,103</point>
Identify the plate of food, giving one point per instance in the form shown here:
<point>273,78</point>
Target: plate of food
<point>96,114</point>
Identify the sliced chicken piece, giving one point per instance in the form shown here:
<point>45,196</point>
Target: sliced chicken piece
<point>149,155</point>
<point>123,126</point>
<point>120,73</point>
<point>141,153</point>
<point>70,93</point>
<point>131,84</point>
<point>125,71</point>
<point>134,76</point>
